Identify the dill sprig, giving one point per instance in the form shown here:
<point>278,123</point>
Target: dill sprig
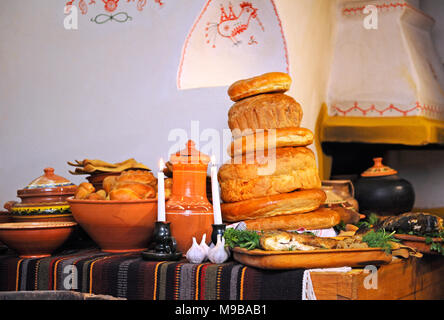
<point>380,239</point>
<point>242,238</point>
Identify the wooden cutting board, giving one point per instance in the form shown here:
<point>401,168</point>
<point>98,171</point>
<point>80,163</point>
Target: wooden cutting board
<point>281,260</point>
<point>417,242</point>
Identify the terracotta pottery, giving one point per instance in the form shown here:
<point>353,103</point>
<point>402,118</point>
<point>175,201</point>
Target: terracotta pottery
<point>117,226</point>
<point>344,189</point>
<point>35,239</point>
<point>340,198</point>
<point>188,209</point>
<point>47,188</point>
<point>381,191</point>
<point>5,217</point>
<point>43,199</point>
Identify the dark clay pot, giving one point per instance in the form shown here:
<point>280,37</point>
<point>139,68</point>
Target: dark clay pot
<point>388,195</point>
<point>383,193</point>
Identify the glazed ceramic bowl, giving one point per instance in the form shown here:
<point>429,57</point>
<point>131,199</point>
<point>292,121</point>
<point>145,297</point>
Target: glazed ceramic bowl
<point>35,239</point>
<point>43,200</point>
<point>116,226</point>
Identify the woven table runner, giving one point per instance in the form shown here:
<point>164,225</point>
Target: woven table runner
<point>128,276</point>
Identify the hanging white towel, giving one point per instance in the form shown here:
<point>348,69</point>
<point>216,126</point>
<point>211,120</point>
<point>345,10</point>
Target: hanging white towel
<point>232,40</point>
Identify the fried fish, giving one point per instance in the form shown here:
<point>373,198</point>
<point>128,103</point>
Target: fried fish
<point>288,241</point>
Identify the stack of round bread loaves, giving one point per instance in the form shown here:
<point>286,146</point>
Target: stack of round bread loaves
<point>271,180</point>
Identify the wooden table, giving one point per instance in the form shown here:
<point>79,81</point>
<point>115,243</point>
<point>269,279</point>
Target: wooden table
<point>411,279</point>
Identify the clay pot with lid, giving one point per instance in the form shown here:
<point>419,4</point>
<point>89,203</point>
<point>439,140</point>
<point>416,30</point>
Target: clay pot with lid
<point>381,191</point>
<point>43,199</point>
<point>188,209</point>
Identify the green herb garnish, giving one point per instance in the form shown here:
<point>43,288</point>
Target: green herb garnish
<point>242,238</point>
<point>429,239</point>
<point>380,239</point>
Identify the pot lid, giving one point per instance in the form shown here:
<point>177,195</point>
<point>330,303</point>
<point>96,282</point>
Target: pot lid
<point>378,170</point>
<point>190,155</point>
<point>48,180</point>
<point>49,183</point>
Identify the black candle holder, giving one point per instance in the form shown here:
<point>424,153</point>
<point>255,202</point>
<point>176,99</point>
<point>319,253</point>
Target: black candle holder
<point>217,229</point>
<point>163,246</point>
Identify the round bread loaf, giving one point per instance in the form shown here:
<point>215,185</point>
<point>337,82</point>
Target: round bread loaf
<point>124,195</point>
<point>267,173</point>
<point>271,139</point>
<point>264,111</point>
<point>319,219</point>
<point>280,204</point>
<point>140,176</point>
<point>268,82</point>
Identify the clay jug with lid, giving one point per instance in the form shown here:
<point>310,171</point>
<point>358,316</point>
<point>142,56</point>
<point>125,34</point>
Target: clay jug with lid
<point>188,209</point>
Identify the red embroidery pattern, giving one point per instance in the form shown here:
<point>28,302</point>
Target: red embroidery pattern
<point>387,6</point>
<point>185,47</point>
<point>110,5</point>
<point>82,5</point>
<point>231,25</point>
<point>425,108</point>
<point>252,41</point>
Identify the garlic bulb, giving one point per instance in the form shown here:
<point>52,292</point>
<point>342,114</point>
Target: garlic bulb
<point>195,254</point>
<point>218,254</point>
<point>203,245</point>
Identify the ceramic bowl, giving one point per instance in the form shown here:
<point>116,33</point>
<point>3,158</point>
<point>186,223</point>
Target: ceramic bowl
<point>5,216</point>
<point>35,239</point>
<point>43,200</point>
<point>116,226</point>
<point>55,212</point>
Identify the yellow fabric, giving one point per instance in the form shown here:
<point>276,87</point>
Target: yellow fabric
<point>413,131</point>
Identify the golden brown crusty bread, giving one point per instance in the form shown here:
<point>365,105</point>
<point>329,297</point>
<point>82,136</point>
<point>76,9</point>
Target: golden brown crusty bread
<point>131,185</point>
<point>280,204</point>
<point>99,195</point>
<point>271,139</point>
<point>264,111</point>
<point>124,195</point>
<point>140,176</point>
<point>144,191</point>
<point>322,218</point>
<point>267,82</point>
<point>275,171</point>
<point>108,183</point>
<point>84,190</point>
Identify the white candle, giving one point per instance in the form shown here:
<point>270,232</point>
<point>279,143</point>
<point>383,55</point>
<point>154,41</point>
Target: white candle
<point>161,193</point>
<point>215,192</point>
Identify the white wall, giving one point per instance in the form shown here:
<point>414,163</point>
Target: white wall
<point>109,91</point>
<point>435,8</point>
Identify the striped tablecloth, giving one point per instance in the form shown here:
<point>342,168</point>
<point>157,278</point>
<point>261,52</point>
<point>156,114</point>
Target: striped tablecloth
<point>129,276</point>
